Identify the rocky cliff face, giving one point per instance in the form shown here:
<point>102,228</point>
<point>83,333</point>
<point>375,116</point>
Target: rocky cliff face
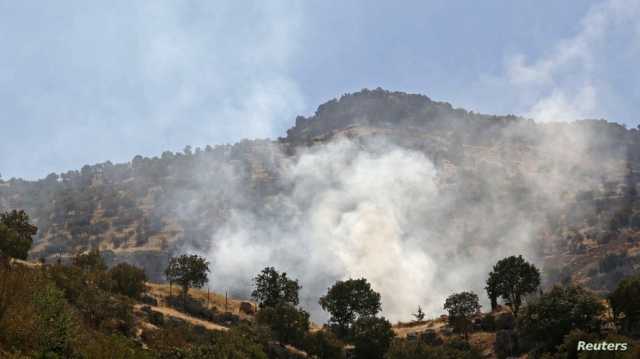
<point>564,193</point>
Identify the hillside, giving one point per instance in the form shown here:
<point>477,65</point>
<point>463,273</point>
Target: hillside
<point>565,193</point>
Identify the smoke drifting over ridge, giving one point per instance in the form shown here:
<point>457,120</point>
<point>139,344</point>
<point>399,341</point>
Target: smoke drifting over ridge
<point>372,209</point>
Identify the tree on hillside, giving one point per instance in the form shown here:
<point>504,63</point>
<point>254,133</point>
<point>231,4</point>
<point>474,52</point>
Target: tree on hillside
<point>347,301</point>
<point>461,307</point>
<point>625,303</point>
<point>128,280</point>
<point>273,288</point>
<point>188,271</point>
<point>372,337</point>
<point>419,315</point>
<point>547,319</point>
<point>16,234</point>
<point>288,324</point>
<point>512,278</point>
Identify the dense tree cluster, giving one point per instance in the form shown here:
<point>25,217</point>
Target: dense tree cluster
<point>16,234</point>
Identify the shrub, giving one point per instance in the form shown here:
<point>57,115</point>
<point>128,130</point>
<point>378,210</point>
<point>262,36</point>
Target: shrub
<point>553,315</point>
<point>128,280</point>
<point>624,300</point>
<point>372,337</point>
<point>288,324</point>
<point>403,349</point>
<point>324,345</point>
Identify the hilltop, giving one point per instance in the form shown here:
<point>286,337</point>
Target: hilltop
<point>572,185</point>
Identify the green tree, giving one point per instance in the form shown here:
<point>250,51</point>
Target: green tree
<point>16,234</point>
<point>347,301</point>
<point>189,271</point>
<point>462,307</point>
<point>288,324</point>
<point>546,320</point>
<point>625,303</point>
<point>128,280</point>
<point>372,337</point>
<point>273,288</point>
<point>512,278</point>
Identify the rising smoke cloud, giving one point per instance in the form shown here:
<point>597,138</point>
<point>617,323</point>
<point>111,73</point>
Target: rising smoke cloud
<point>374,210</point>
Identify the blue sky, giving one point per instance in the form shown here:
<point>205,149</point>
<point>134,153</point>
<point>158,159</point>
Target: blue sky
<point>83,83</point>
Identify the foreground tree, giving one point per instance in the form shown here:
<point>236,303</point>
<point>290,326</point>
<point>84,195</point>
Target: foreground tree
<point>273,288</point>
<point>546,320</point>
<point>189,271</point>
<point>16,234</point>
<point>512,278</point>
<point>461,308</point>
<point>347,301</point>
<point>288,324</point>
<point>625,303</point>
<point>372,337</point>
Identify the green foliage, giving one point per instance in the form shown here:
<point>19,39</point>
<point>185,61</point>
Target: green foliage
<point>461,307</point>
<point>625,304</point>
<point>288,324</point>
<point>15,234</point>
<point>372,337</point>
<point>55,326</point>
<point>100,346</point>
<point>546,320</point>
<point>273,288</point>
<point>223,345</point>
<point>511,279</point>
<point>128,280</point>
<point>99,308</point>
<point>403,349</point>
<point>188,271</point>
<point>347,301</point>
<point>324,345</point>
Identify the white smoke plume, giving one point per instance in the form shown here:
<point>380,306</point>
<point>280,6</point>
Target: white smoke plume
<point>370,210</point>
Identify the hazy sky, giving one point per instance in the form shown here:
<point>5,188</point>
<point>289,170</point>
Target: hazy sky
<point>82,82</point>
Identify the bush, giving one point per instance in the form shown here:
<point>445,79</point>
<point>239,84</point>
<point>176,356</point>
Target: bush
<point>626,306</point>
<point>193,307</point>
<point>553,315</point>
<point>55,326</point>
<point>506,344</point>
<point>488,323</point>
<point>372,337</point>
<point>288,324</point>
<point>156,318</point>
<point>219,344</point>
<point>324,345</point>
<point>128,280</point>
<point>403,349</point>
